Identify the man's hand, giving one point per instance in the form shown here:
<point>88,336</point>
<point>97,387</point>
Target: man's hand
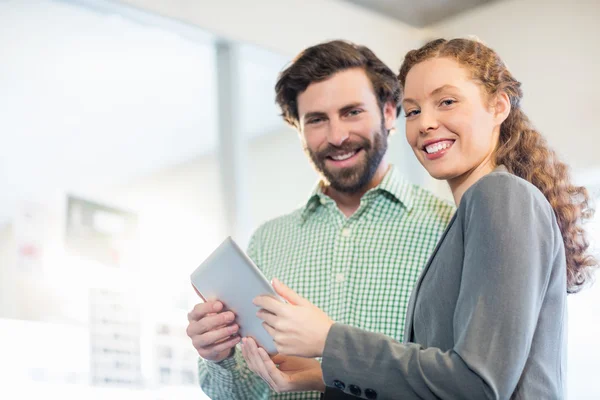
<point>213,332</point>
<point>283,373</point>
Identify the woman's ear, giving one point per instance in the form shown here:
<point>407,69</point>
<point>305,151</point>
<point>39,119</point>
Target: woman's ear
<point>501,107</point>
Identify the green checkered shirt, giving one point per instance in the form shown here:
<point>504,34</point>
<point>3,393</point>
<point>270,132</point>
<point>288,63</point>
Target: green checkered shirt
<point>359,270</point>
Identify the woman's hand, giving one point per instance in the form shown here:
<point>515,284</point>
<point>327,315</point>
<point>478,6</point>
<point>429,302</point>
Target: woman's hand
<point>298,327</point>
<point>294,374</point>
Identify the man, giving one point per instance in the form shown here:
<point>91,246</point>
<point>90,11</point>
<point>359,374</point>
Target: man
<point>356,247</point>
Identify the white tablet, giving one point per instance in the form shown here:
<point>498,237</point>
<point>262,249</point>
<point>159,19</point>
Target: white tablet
<point>230,276</point>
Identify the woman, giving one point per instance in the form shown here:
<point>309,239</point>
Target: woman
<point>487,318</point>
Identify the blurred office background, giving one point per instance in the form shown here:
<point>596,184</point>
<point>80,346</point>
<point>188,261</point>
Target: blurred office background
<point>136,134</point>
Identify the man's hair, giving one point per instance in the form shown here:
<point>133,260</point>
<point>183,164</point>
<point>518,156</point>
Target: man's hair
<point>322,61</point>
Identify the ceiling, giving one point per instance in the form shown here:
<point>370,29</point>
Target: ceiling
<point>420,13</point>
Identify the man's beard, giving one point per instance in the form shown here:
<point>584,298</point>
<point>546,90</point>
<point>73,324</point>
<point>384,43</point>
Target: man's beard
<point>352,179</point>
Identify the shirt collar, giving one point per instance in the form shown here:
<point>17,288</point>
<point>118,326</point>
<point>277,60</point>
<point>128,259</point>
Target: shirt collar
<point>393,183</point>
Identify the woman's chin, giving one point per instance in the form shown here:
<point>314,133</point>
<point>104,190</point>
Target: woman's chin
<point>439,174</point>
<point>441,171</point>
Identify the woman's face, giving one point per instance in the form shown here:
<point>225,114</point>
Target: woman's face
<point>451,126</point>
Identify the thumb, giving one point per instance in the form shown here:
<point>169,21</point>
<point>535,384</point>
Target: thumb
<point>279,359</point>
<point>288,294</point>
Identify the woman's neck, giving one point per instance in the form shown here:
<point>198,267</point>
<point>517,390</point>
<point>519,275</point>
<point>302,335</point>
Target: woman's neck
<point>462,183</point>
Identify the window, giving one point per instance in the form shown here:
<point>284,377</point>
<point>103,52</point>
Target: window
<point>584,324</point>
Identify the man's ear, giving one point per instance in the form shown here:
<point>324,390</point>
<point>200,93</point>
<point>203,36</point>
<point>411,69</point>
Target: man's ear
<point>389,115</point>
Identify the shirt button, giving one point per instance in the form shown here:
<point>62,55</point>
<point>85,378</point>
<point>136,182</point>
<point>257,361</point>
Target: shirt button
<point>346,232</point>
<point>370,394</point>
<point>339,278</point>
<point>323,200</point>
<point>355,390</point>
<point>339,384</point>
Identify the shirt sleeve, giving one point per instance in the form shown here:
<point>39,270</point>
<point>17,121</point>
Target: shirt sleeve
<point>509,247</point>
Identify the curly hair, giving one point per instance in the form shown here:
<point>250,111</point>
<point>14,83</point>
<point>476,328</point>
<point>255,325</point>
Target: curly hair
<point>322,61</point>
<point>521,148</point>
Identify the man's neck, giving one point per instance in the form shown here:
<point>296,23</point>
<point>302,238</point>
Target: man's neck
<point>348,203</point>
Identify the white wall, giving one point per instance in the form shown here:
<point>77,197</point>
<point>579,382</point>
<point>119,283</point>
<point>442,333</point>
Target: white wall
<point>93,98</point>
<point>8,256</point>
<point>288,26</point>
<point>181,214</point>
<point>551,46</point>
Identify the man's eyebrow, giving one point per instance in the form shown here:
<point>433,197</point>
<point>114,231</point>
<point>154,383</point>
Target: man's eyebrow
<point>350,106</point>
<point>342,110</point>
<point>312,114</point>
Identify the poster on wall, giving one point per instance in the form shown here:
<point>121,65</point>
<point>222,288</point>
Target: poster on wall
<point>31,225</point>
<point>101,233</point>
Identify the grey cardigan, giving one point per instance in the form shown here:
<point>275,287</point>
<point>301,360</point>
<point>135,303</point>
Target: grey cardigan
<point>487,317</point>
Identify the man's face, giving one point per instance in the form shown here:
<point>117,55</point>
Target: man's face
<point>343,129</point>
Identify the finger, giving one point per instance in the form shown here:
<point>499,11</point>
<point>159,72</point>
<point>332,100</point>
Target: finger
<point>210,323</point>
<point>275,374</point>
<point>212,337</point>
<point>288,294</point>
<point>271,331</point>
<point>269,303</point>
<point>254,361</point>
<point>268,317</point>
<point>215,350</point>
<point>258,362</point>
<point>278,359</point>
<point>200,310</point>
<point>246,355</point>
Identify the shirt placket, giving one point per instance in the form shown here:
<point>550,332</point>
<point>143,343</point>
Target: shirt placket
<point>343,255</point>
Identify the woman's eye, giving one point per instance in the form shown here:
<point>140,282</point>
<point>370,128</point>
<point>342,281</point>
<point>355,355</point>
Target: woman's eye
<point>411,113</point>
<point>448,102</point>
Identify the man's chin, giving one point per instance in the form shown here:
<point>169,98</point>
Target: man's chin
<point>347,189</point>
<point>347,173</point>
<point>348,184</point>
<point>346,180</point>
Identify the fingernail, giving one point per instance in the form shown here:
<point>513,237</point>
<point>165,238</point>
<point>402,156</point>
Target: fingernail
<point>216,306</point>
